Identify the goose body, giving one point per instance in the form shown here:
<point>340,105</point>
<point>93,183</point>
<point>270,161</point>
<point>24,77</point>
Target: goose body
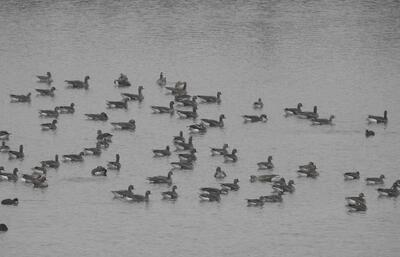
<point>49,113</point>
<point>21,98</point>
<point>213,190</point>
<point>78,84</point>
<point>170,195</point>
<point>378,119</point>
<point>49,126</point>
<point>162,81</point>
<point>188,114</point>
<point>264,178</point>
<point>45,78</point>
<point>316,121</point>
<point>183,165</point>
<point>268,165</point>
<point>99,171</point>
<point>259,104</point>
<point>122,81</point>
<point>352,175</point>
<point>211,99</point>
<point>73,157</point>
<point>215,123</point>
<point>9,176</point>
<point>4,148</point>
<point>274,198</point>
<point>178,90</point>
<point>163,109</point>
<point>162,152</point>
<point>369,133</point>
<point>123,193</point>
<point>51,163</point>
<point>308,173</point>
<point>390,192</point>
<point>130,125</point>
<point>46,92</point>
<point>309,115</point>
<point>114,165</point>
<point>255,118</point>
<point>161,179</point>
<point>294,111</point>
<point>211,197</point>
<point>255,202</point>
<point>97,116</point>
<point>93,150</point>
<point>4,135</point>
<point>134,97</point>
<point>139,198</point>
<point>231,157</point>
<point>184,145</point>
<point>103,136</point>
<point>10,202</point>
<point>219,151</point>
<point>219,173</point>
<point>354,200</point>
<point>231,186</point>
<point>17,154</point>
<point>359,207</point>
<point>283,187</point>
<point>199,128</point>
<point>66,109</point>
<point>123,104</point>
<point>188,157</point>
<point>375,181</point>
<point>187,102</point>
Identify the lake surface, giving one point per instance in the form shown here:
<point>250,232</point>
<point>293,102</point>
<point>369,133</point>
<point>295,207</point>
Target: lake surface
<point>342,56</point>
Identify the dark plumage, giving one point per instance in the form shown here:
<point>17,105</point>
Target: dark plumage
<point>215,123</point>
<point>294,111</point>
<point>100,116</point>
<point>77,84</point>
<point>231,186</point>
<point>170,195</point>
<point>46,92</point>
<point>51,163</point>
<point>17,154</point>
<point>162,152</point>
<point>188,114</point>
<point>21,98</point>
<point>308,115</point>
<point>255,118</point>
<point>99,171</point>
<point>74,157</point>
<point>130,125</point>
<point>219,151</point>
<point>49,126</point>
<point>49,113</point>
<point>378,119</point>
<point>231,157</point>
<point>66,109</point>
<point>161,179</point>
<point>351,175</point>
<point>10,202</point>
<point>114,165</point>
<point>123,104</point>
<point>45,78</point>
<point>134,97</point>
<point>162,109</point>
<point>211,99</point>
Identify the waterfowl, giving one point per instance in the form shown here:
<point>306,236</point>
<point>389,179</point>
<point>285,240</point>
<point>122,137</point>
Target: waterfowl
<point>10,202</point>
<point>161,179</point>
<point>4,135</point>
<point>123,193</point>
<point>198,128</point>
<point>308,115</point>
<point>49,113</point>
<point>284,187</point>
<point>219,151</point>
<point>179,138</point>
<point>378,119</point>
<point>123,104</point>
<point>140,198</point>
<point>39,170</point>
<point>293,111</point>
<point>178,90</point>
<point>255,202</point>
<point>188,157</point>
<point>259,104</point>
<point>3,227</point>
<point>21,98</point>
<point>130,125</point>
<point>74,157</point>
<point>114,165</point>
<point>255,118</point>
<point>369,133</point>
<point>103,136</point>
<point>188,114</point>
<point>77,84</point>
<point>231,157</point>
<point>211,197</point>
<point>353,200</point>
<point>17,154</point>
<point>308,173</point>
<point>266,165</point>
<point>122,81</point>
<point>66,109</point>
<point>98,117</point>
<point>9,176</point>
<point>46,92</point>
<point>162,81</point>
<point>215,123</point>
<point>211,99</point>
<point>96,151</point>
<point>183,165</point>
<point>170,195</point>
<point>40,182</point>
<point>4,148</point>
<point>274,198</point>
<point>316,121</point>
<point>231,186</point>
<point>45,78</point>
<point>185,101</point>
<point>49,126</point>
<point>162,109</point>
<point>213,190</point>
<point>134,97</point>
<point>352,175</point>
<point>180,98</point>
<point>29,178</point>
<point>307,167</point>
<point>99,171</point>
<point>264,178</point>
<point>375,181</point>
<point>162,152</point>
<point>357,207</point>
<point>51,163</point>
<point>390,192</point>
<point>184,145</point>
<point>219,173</point>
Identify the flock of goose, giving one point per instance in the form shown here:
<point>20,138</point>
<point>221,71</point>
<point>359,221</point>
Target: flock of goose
<point>187,156</point>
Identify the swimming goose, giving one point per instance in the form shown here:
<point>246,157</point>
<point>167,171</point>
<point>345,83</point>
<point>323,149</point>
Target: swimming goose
<point>130,125</point>
<point>293,111</point>
<point>170,195</point>
<point>77,84</point>
<point>309,166</point>
<point>46,92</point>
<point>219,173</point>
<point>255,202</point>
<point>259,104</point>
<point>184,145</point>
<point>101,116</point>
<point>378,119</point>
<point>140,198</point>
<point>186,102</point>
<point>351,175</point>
<point>161,179</point>
<point>122,81</point>
<point>183,165</point>
<point>39,170</point>
<point>123,193</point>
<point>21,98</point>
<point>369,133</point>
<point>274,198</point>
<point>219,151</point>
<point>375,181</point>
<point>353,200</point>
<point>211,99</point>
<point>231,157</point>
<point>162,152</point>
<point>308,115</point>
<point>180,98</point>
<point>93,150</point>
<point>66,109</point>
<point>213,190</point>
<point>29,178</point>
<point>17,154</point>
<point>40,182</point>
<point>103,136</point>
<point>10,202</point>
<point>3,227</point>
<point>255,118</point>
<point>4,148</point>
<point>179,139</point>
<point>4,135</point>
<point>49,126</point>
<point>188,114</point>
<point>284,187</point>
<point>231,186</point>
<point>99,171</point>
<point>162,81</point>
<point>49,113</point>
<point>266,165</point>
<point>308,173</point>
<point>74,157</point>
<point>390,192</point>
<point>357,207</point>
<point>211,197</point>
<point>162,109</point>
<point>9,176</point>
<point>265,178</point>
<point>215,123</point>
<point>114,165</point>
<point>177,90</point>
<point>123,104</point>
<point>134,97</point>
<point>188,157</point>
<point>199,128</point>
<point>45,78</point>
<point>51,163</point>
<point>316,121</point>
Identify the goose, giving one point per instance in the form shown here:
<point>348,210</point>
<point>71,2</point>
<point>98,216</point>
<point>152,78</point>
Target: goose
<point>255,118</point>
<point>211,197</point>
<point>188,157</point>
<point>99,171</point>
<point>178,90</point>
<point>213,190</point>
<point>378,119</point>
<point>45,78</point>
<point>39,170</point>
<point>130,125</point>
<point>309,166</point>
<point>185,101</point>
<point>122,81</point>
<point>199,128</point>
<point>259,104</point>
<point>77,84</point>
<point>390,192</point>
<point>74,157</point>
<point>184,145</point>
<point>98,117</point>
<point>46,92</point>
<point>162,109</point>
<point>359,207</point>
<point>9,176</point>
<point>93,150</point>
<point>114,165</point>
<point>180,98</point>
<point>140,198</point>
<point>51,163</point>
<point>162,152</point>
<point>353,200</point>
<point>3,227</point>
<point>123,193</point>
<point>211,99</point>
<point>161,179</point>
<point>284,187</point>
<point>274,198</point>
<point>375,181</point>
<point>219,173</point>
<point>134,97</point>
<point>170,195</point>
<point>266,165</point>
<point>183,165</point>
<point>29,178</point>
<point>369,133</point>
<point>316,121</point>
<point>188,114</point>
<point>219,151</point>
<point>66,109</point>
<point>179,138</point>
<point>4,135</point>
<point>231,186</point>
<point>264,178</point>
<point>21,98</point>
<point>40,182</point>
<point>215,123</point>
<point>231,157</point>
<point>49,113</point>
<point>123,104</point>
<point>17,154</point>
<point>10,202</point>
<point>4,148</point>
<point>308,173</point>
<point>308,115</point>
<point>293,111</point>
<point>49,126</point>
<point>255,202</point>
<point>162,81</point>
<point>103,136</point>
<point>352,175</point>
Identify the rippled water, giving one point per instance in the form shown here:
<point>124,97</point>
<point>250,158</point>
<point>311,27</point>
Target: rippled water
<point>342,56</point>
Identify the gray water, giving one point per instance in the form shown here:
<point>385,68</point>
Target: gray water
<point>342,56</point>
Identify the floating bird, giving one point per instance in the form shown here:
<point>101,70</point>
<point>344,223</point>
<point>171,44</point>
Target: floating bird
<point>77,84</point>
<point>219,151</point>
<point>375,181</point>
<point>123,104</point>
<point>231,186</point>
<point>316,121</point>
<point>162,109</point>
<point>215,123</point>
<point>134,97</point>
<point>49,126</point>
<point>307,167</point>
<point>231,157</point>
<point>4,148</point>
<point>188,114</point>
<point>178,90</point>
<point>123,193</point>
<point>274,198</point>
<point>170,195</point>
<point>21,98</point>
<point>266,165</point>
<point>284,187</point>
<point>259,104</point>
<point>185,101</point>
<point>162,152</point>
<point>188,157</point>
<point>162,81</point>
<point>130,125</point>
<point>4,135</point>
<point>308,173</point>
<point>45,78</point>
<point>352,175</point>
<point>122,81</point>
<point>161,179</point>
<point>93,150</point>
<point>211,197</point>
<point>3,227</point>
<point>265,178</point>
<point>100,117</point>
<point>308,115</point>
<point>99,171</point>
<point>255,118</point>
<point>17,154</point>
<point>49,113</point>
<point>179,138</point>
<point>103,136</point>
<point>359,207</point>
<point>74,157</point>
<point>139,198</point>
<point>354,200</point>
<point>293,111</point>
<point>378,119</point>
<point>51,163</point>
<point>66,109</point>
<point>184,145</point>
<point>9,176</point>
<point>114,165</point>
<point>213,190</point>
<point>369,133</point>
<point>183,165</point>
<point>255,202</point>
<point>211,99</point>
<point>199,128</point>
<point>46,92</point>
<point>10,202</point>
<point>390,192</point>
<point>219,173</point>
